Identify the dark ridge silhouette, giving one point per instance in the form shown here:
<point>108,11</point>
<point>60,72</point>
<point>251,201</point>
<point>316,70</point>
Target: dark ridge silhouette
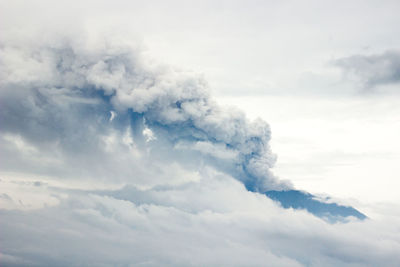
<point>302,200</point>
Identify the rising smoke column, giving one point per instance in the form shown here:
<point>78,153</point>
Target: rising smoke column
<point>115,79</point>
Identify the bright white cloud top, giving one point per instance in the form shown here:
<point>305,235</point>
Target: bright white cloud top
<point>109,158</point>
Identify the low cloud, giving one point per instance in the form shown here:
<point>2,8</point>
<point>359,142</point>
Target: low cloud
<point>214,221</point>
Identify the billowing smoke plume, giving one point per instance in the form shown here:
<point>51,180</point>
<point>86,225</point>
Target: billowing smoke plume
<point>112,87</point>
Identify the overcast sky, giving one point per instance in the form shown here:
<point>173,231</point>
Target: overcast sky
<point>138,123</point>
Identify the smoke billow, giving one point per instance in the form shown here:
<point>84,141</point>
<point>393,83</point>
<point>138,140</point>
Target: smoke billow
<point>59,83</point>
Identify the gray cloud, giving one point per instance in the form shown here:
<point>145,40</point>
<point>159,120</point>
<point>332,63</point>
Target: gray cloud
<point>372,70</point>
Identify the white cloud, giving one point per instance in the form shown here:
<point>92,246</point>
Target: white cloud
<point>212,221</point>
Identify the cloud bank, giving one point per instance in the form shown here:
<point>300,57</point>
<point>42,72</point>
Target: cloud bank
<point>111,159</point>
<point>372,70</point>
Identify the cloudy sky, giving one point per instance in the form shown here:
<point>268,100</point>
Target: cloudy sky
<point>145,132</point>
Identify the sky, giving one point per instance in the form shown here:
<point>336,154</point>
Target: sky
<point>145,133</point>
